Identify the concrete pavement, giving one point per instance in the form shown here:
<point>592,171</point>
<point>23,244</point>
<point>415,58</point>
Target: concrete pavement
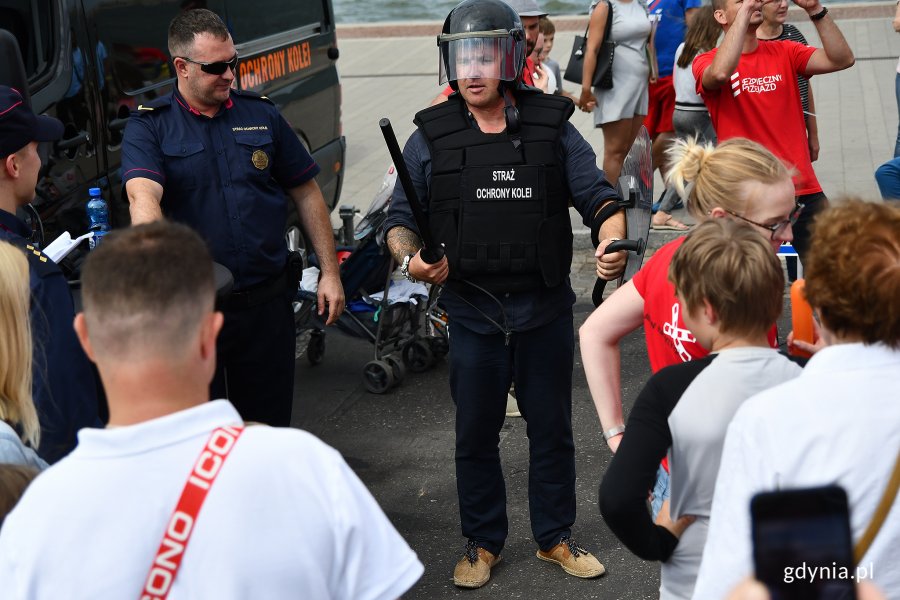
<point>401,443</point>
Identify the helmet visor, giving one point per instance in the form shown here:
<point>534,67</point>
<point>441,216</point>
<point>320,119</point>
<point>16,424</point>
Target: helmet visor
<point>493,57</point>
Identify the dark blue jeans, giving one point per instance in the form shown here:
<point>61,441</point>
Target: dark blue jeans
<point>888,178</point>
<point>481,370</point>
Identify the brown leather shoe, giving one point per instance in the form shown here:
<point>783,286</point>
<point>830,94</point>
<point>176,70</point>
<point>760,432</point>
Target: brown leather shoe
<point>474,569</point>
<point>574,559</point>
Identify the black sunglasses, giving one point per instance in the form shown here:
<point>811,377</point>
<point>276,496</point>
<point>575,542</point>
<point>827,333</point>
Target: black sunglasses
<point>777,229</point>
<point>214,68</point>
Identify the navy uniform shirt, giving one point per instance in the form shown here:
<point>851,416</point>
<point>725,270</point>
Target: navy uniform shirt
<point>225,176</point>
<point>524,310</point>
<point>63,387</point>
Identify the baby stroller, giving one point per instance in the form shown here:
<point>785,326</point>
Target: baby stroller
<point>400,319</point>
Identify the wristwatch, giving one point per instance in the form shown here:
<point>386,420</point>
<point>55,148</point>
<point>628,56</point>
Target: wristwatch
<point>819,15</point>
<point>404,268</point>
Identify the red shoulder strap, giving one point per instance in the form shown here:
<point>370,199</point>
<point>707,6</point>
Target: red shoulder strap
<point>181,524</point>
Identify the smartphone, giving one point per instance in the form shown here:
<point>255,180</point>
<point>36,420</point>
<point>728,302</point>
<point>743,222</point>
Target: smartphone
<point>802,547</point>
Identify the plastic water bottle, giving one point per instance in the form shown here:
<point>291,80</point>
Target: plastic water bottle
<point>98,214</point>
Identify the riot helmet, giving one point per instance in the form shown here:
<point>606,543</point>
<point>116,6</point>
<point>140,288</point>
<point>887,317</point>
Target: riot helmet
<point>481,39</point>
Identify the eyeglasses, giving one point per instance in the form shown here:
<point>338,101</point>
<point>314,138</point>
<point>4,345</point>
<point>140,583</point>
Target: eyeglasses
<point>778,228</point>
<point>214,68</point>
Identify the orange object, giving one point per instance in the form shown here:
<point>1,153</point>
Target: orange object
<point>801,319</point>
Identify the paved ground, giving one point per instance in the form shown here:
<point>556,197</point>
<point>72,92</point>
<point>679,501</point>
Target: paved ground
<point>401,443</point>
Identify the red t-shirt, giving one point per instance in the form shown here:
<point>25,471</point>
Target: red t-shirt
<point>763,104</point>
<point>669,341</point>
<point>528,72</point>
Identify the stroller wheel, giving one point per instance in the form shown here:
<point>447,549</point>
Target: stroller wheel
<point>418,356</point>
<point>439,346</point>
<point>397,366</point>
<point>315,349</point>
<point>378,376</point>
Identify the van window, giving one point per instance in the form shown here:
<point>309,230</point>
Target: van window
<point>262,18</point>
<point>135,36</point>
<point>30,23</point>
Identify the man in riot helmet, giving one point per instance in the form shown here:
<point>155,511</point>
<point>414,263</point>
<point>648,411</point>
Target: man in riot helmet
<point>496,167</point>
<point>529,15</point>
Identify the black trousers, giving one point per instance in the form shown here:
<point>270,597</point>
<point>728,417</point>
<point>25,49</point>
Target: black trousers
<point>814,204</point>
<point>255,362</point>
<point>481,370</point>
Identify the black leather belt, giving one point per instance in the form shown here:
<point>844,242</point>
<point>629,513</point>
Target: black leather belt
<point>257,294</point>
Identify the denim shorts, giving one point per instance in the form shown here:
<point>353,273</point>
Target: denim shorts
<point>661,491</point>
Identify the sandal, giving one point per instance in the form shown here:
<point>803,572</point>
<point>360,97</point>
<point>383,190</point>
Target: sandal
<point>671,224</point>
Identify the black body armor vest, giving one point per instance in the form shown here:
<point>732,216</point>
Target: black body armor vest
<point>499,202</point>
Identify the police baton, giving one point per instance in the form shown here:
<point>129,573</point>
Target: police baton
<point>616,246</point>
<point>431,252</point>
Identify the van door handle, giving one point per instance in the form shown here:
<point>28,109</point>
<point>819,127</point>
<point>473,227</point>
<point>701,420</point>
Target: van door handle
<point>82,138</point>
<point>118,124</point>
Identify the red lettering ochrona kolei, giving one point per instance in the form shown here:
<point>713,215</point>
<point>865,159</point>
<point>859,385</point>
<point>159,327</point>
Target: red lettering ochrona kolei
<point>258,70</point>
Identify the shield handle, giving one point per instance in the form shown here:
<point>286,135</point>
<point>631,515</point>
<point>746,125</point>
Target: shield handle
<point>636,246</point>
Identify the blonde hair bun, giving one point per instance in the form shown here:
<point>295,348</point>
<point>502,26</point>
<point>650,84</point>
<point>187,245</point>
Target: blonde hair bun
<point>707,176</point>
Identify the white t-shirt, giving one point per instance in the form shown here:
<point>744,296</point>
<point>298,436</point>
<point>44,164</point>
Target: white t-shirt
<point>552,84</point>
<point>686,96</point>
<point>836,423</point>
<point>286,518</point>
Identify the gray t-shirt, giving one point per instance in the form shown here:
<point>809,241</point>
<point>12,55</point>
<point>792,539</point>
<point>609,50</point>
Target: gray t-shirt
<point>698,424</point>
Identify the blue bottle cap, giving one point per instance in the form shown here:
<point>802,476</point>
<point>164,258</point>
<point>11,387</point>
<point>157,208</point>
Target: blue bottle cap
<point>94,191</point>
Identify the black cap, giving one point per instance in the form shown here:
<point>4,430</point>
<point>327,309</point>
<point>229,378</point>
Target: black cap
<point>19,126</point>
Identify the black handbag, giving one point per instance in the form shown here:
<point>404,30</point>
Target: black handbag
<point>603,74</point>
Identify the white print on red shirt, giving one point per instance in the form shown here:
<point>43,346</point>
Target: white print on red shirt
<point>754,85</point>
<point>679,335</point>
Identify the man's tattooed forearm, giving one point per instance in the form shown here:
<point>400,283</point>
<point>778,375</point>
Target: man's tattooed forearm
<point>402,242</point>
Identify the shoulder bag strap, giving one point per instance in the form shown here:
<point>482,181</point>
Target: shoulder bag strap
<point>178,531</point>
<point>881,513</point>
<point>607,31</point>
<point>587,28</point>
